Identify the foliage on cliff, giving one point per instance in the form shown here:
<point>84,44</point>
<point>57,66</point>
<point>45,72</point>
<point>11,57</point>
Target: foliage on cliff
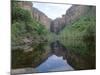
<point>24,26</point>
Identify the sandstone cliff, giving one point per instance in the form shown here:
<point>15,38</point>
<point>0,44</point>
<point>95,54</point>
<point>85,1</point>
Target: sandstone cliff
<point>57,24</point>
<point>71,15</point>
<point>75,12</point>
<point>41,17</point>
<point>36,14</point>
<point>26,5</point>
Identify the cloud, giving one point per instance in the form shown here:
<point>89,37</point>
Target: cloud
<point>52,10</point>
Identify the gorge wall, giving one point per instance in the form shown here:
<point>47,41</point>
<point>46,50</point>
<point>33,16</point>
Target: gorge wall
<point>36,14</point>
<point>41,17</point>
<point>71,15</point>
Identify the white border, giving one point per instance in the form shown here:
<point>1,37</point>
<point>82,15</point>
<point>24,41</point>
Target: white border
<point>85,2</point>
<point>4,37</point>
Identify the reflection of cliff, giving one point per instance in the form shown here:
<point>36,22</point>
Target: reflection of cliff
<point>73,59</point>
<point>58,49</point>
<point>71,15</point>
<point>78,62</point>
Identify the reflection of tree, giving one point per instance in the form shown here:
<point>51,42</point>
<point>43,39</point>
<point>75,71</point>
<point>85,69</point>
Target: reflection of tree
<point>74,59</point>
<point>21,59</point>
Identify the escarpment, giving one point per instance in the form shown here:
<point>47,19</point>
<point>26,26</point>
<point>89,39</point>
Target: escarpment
<point>72,14</point>
<point>35,13</point>
<point>41,17</point>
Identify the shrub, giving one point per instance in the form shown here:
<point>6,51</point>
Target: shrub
<point>20,14</point>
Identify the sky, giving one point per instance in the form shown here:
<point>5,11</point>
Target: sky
<point>53,11</point>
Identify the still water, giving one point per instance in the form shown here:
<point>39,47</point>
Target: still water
<point>55,62</point>
<point>58,59</point>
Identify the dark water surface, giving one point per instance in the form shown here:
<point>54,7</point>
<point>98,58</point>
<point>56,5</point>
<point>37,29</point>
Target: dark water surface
<point>57,60</point>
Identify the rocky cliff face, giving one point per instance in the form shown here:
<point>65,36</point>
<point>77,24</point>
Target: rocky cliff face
<point>57,24</point>
<point>75,12</point>
<point>41,17</point>
<point>71,15</point>
<point>36,14</point>
<point>26,5</point>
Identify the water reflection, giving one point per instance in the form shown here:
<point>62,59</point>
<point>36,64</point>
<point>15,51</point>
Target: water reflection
<point>57,61</point>
<point>30,58</point>
<point>54,63</point>
<point>54,57</point>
